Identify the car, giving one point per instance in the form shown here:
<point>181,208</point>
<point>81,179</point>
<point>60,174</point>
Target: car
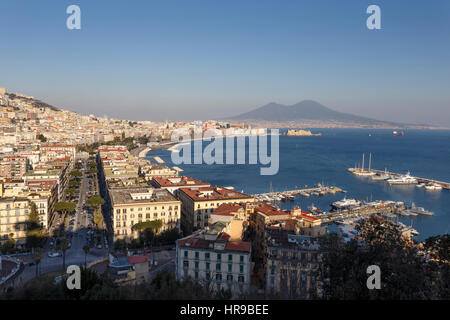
<point>99,246</point>
<point>54,254</point>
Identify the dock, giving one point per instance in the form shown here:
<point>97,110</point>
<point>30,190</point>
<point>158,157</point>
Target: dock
<point>445,185</point>
<point>158,159</point>
<point>289,194</point>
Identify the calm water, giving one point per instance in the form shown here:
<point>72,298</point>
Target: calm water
<point>305,161</point>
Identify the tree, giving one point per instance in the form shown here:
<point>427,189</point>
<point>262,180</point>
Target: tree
<point>76,173</point>
<point>63,246</point>
<point>71,192</point>
<point>405,274</point>
<point>74,183</point>
<point>34,236</point>
<point>93,170</point>
<point>37,255</point>
<point>95,201</point>
<point>153,225</point>
<point>33,218</point>
<point>65,206</point>
<point>86,250</point>
<point>42,138</point>
<point>98,220</point>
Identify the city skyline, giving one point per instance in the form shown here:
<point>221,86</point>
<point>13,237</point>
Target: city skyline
<point>202,60</point>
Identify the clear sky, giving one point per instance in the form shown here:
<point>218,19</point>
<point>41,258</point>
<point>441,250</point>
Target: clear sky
<point>200,59</point>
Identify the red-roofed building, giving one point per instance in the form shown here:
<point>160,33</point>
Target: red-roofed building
<point>140,266</point>
<point>209,256</point>
<point>198,204</point>
<point>176,182</point>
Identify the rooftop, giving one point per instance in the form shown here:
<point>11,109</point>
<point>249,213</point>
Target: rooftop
<point>178,181</point>
<point>140,195</point>
<point>213,193</point>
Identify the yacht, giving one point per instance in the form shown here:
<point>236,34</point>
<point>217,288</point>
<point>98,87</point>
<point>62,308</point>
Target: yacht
<point>346,203</point>
<point>421,185</point>
<point>405,179</point>
<point>418,210</point>
<point>381,176</point>
<point>433,186</point>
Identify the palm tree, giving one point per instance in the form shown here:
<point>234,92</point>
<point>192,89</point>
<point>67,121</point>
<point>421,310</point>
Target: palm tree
<point>86,249</point>
<point>37,255</point>
<point>64,245</point>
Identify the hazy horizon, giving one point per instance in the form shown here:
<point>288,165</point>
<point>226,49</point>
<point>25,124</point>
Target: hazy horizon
<point>156,60</point>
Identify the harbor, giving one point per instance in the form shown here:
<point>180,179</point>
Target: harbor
<point>289,195</point>
<point>393,178</point>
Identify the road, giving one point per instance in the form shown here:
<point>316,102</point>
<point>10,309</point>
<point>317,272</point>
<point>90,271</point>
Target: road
<point>78,238</point>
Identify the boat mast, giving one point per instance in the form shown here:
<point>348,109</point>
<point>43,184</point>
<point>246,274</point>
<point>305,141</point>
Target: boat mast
<point>362,167</point>
<point>370,161</point>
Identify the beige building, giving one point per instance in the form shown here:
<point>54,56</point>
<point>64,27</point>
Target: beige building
<point>13,214</point>
<point>214,260</point>
<point>199,203</point>
<point>138,204</point>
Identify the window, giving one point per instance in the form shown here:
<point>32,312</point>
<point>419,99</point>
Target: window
<point>218,277</point>
<point>207,265</point>
<point>196,275</point>
<point>186,253</point>
<point>196,265</point>
<point>185,264</point>
<point>241,268</point>
<point>230,277</point>
<point>218,267</point>
<point>230,257</point>
<point>241,279</point>
<point>208,276</point>
<point>230,267</point>
<point>196,254</point>
<point>118,211</point>
<point>219,256</point>
<point>241,258</point>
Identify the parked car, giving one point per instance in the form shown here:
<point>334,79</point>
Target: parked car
<point>54,254</point>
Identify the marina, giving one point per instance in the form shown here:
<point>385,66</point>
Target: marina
<point>289,195</point>
<point>394,178</point>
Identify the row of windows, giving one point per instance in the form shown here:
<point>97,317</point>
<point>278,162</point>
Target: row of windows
<point>208,266</point>
<point>207,256</point>
<point>218,276</point>
<point>124,223</point>
<point>147,215</point>
<point>148,209</point>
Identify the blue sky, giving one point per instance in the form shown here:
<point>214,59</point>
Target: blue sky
<point>199,59</point>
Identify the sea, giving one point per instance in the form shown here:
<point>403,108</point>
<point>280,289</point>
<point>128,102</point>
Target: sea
<point>307,161</point>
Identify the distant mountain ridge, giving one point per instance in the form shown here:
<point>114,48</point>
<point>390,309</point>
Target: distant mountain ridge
<point>304,110</point>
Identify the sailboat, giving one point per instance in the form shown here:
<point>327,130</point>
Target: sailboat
<point>363,172</point>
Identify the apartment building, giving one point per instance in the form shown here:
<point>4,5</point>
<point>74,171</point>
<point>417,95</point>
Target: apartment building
<point>292,263</point>
<point>138,204</point>
<point>14,212</point>
<point>13,166</point>
<point>151,171</point>
<point>198,204</point>
<point>214,260</point>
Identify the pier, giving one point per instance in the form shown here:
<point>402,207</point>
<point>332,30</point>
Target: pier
<point>158,159</point>
<point>445,185</point>
<point>289,194</point>
<point>380,207</point>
